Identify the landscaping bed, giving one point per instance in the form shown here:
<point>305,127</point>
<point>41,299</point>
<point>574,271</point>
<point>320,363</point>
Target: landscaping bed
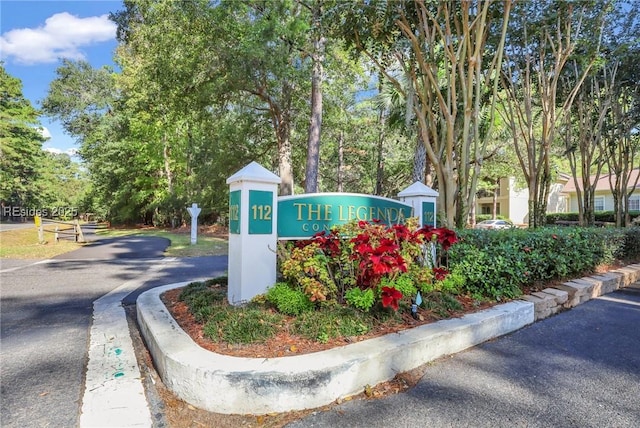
<point>285,343</point>
<point>321,302</point>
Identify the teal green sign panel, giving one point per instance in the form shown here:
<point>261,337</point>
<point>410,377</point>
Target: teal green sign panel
<point>234,212</point>
<point>260,212</point>
<point>302,216</point>
<point>429,214</point>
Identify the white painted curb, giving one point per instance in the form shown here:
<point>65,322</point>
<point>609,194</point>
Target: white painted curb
<point>234,385</point>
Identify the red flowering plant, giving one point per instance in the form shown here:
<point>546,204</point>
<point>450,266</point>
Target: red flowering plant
<point>395,262</point>
<point>390,297</point>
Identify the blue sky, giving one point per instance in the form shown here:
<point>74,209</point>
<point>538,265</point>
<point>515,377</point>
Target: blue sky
<point>34,35</point>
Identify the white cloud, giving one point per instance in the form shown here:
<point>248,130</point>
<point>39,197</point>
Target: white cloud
<point>62,35</point>
<point>70,152</point>
<point>45,132</point>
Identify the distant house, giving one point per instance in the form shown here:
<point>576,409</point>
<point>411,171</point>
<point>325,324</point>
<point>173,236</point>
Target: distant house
<point>512,200</point>
<point>603,200</point>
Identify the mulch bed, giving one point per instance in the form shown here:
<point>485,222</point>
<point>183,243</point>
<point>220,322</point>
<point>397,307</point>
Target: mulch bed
<point>285,344</point>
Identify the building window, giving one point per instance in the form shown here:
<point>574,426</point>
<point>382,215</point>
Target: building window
<point>488,209</point>
<point>598,203</point>
<point>563,203</point>
<point>634,203</point>
<point>485,193</point>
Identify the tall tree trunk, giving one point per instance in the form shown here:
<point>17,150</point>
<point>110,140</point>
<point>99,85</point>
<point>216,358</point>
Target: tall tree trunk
<point>622,153</point>
<point>341,162</point>
<point>166,156</point>
<point>532,73</point>
<point>315,126</point>
<point>380,165</point>
<point>284,161</point>
<point>419,162</point>
<point>281,122</point>
<point>494,209</point>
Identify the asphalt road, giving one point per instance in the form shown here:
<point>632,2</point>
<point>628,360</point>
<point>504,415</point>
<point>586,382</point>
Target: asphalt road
<point>45,317</point>
<point>12,226</point>
<point>580,369</point>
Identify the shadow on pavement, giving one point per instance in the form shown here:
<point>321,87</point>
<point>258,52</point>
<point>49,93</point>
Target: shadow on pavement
<point>127,247</point>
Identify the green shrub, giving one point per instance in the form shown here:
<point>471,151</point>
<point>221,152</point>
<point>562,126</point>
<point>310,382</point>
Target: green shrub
<point>219,280</point>
<point>453,283</point>
<point>403,283</point>
<point>331,322</point>
<point>361,299</point>
<point>632,243</point>
<point>497,264</point>
<point>192,289</point>
<point>496,274</point>
<point>442,304</point>
<point>287,300</point>
<point>600,216</point>
<point>241,325</point>
<point>200,298</point>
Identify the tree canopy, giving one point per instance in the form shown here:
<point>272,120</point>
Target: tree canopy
<point>361,97</point>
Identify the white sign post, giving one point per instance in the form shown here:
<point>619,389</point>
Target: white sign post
<point>253,234</point>
<point>423,200</point>
<point>194,211</point>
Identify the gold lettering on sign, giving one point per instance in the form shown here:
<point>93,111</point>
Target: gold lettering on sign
<point>313,212</point>
<point>393,214</point>
<point>372,213</point>
<point>261,212</point>
<point>361,213</point>
<point>428,217</point>
<point>327,213</point>
<point>352,212</point>
<point>234,212</point>
<point>299,206</point>
<point>315,227</point>
<point>341,216</point>
<point>382,215</point>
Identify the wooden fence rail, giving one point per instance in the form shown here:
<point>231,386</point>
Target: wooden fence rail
<point>72,229</point>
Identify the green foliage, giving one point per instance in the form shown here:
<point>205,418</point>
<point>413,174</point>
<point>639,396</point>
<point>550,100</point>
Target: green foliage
<point>498,264</point>
<point>600,216</point>
<point>288,300</point>
<point>306,268</point>
<point>495,277</point>
<point>403,283</point>
<point>359,298</point>
<point>241,325</point>
<point>631,249</point>
<point>62,183</point>
<point>484,264</point>
<point>331,322</point>
<point>442,304</point>
<point>201,298</point>
<point>453,283</point>
<point>218,280</point>
<point>20,145</point>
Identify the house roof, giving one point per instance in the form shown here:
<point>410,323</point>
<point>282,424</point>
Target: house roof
<point>603,182</point>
